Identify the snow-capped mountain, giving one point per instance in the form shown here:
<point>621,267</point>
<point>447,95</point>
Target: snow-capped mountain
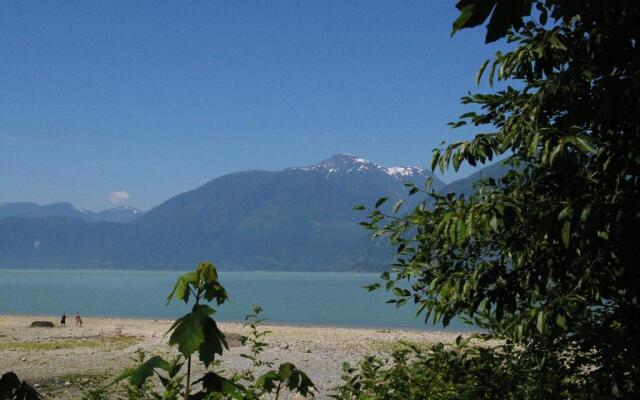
<point>349,163</point>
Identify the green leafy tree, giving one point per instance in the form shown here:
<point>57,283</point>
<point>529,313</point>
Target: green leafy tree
<point>545,257</point>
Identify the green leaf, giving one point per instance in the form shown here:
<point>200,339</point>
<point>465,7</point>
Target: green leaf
<point>481,71</point>
<point>381,201</point>
<point>434,159</point>
<point>566,233</point>
<point>566,213</point>
<point>214,383</point>
<point>465,15</point>
<point>181,289</point>
<point>294,379</point>
<point>137,376</point>
<point>457,160</point>
<point>372,287</point>
<point>540,324</point>
<point>534,144</point>
<point>584,216</point>
<point>472,13</point>
<point>585,144</point>
<point>555,152</point>
<point>501,20</point>
<point>397,205</point>
<point>285,370</point>
<point>214,290</point>
<point>267,381</point>
<point>188,331</point>
<point>213,343</point>
<point>561,321</point>
<point>493,223</point>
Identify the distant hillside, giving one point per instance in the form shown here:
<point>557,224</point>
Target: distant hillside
<point>294,219</point>
<point>466,185</point>
<point>33,210</point>
<point>117,214</point>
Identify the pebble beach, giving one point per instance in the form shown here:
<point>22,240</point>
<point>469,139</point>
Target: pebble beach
<point>63,362</point>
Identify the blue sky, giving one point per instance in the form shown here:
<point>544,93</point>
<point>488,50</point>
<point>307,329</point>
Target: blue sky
<point>155,98</point>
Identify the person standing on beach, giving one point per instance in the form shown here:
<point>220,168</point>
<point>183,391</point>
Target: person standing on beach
<point>63,320</point>
<point>78,320</point>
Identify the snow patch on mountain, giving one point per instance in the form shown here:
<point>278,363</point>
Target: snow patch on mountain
<point>347,163</point>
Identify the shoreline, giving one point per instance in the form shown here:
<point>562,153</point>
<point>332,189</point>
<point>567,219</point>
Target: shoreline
<point>187,269</point>
<point>103,347</point>
<point>267,322</point>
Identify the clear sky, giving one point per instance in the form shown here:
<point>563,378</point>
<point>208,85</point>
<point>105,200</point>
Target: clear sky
<point>152,98</point>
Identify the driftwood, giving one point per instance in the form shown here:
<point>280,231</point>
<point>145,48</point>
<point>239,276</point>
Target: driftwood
<point>42,324</point>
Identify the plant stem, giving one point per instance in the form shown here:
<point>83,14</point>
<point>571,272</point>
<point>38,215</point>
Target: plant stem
<point>278,390</point>
<point>186,388</point>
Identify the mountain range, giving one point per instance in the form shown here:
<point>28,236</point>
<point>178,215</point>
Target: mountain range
<point>33,210</point>
<point>295,219</point>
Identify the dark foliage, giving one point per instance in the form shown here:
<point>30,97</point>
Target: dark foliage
<point>545,257</point>
<point>11,388</point>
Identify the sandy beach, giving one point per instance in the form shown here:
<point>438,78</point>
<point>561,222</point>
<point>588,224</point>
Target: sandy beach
<point>63,361</point>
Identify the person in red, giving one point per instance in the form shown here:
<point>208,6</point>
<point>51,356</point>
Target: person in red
<point>78,320</point>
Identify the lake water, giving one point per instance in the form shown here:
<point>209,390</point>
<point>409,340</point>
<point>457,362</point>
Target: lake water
<point>310,298</point>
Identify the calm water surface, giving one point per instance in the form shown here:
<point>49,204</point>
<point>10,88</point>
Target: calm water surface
<point>286,297</point>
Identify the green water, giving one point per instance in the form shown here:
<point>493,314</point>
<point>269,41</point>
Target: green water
<point>309,298</point>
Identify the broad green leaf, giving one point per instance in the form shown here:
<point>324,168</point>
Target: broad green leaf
<point>472,13</point>
<point>267,381</point>
<point>501,20</point>
<point>214,383</point>
<point>181,289</point>
<point>465,15</point>
<point>285,370</point>
<point>207,272</point>
<point>188,331</point>
<point>138,376</point>
<point>214,290</point>
<point>214,342</point>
